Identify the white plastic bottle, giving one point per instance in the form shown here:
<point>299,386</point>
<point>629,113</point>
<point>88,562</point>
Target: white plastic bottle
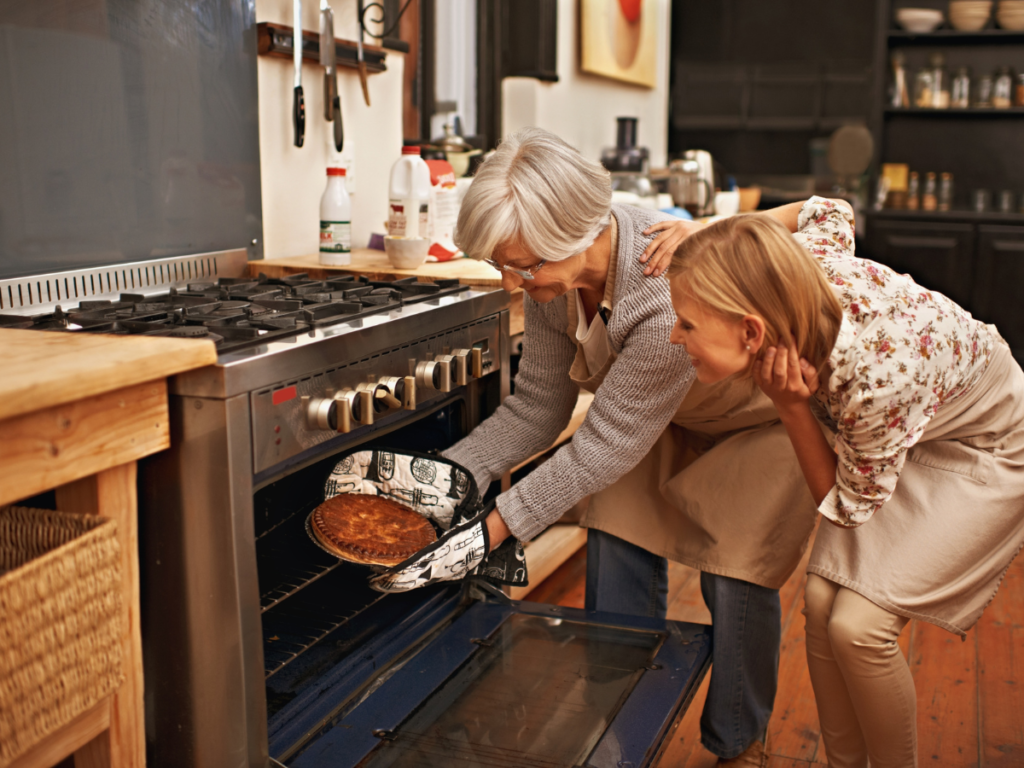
<point>409,195</point>
<point>335,221</point>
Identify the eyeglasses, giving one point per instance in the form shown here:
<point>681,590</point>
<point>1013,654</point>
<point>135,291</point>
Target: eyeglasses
<point>525,274</point>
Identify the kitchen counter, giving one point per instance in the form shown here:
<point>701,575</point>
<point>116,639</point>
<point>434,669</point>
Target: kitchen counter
<point>76,413</point>
<point>375,266</point>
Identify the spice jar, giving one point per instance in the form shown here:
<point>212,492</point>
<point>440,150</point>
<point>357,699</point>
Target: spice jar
<point>898,93</point>
<point>945,191</point>
<point>929,200</point>
<point>1002,89</point>
<point>923,88</point>
<point>914,192</point>
<point>940,81</point>
<point>983,93</point>
<point>1020,89</point>
<point>960,93</point>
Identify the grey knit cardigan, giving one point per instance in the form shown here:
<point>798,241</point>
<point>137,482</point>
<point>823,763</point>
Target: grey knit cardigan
<point>634,405</point>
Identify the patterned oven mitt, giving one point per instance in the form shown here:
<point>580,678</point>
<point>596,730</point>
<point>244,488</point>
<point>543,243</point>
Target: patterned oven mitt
<point>434,487</point>
<point>443,492</point>
<point>459,552</point>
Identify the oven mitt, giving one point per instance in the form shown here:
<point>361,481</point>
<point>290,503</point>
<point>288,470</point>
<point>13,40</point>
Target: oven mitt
<point>453,556</point>
<point>459,552</point>
<point>437,488</point>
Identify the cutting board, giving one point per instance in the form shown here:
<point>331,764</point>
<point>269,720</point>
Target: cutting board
<point>375,265</point>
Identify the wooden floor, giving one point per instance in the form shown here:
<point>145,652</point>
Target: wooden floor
<point>970,695</point>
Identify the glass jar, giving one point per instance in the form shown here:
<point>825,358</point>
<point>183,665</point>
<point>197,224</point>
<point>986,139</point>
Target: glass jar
<point>1019,101</point>
<point>929,199</point>
<point>945,191</point>
<point>1002,89</point>
<point>923,88</point>
<point>914,192</point>
<point>960,93</point>
<point>898,91</point>
<point>983,93</point>
<point>940,81</point>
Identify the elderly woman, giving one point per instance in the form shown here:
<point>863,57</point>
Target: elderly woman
<point>663,458</point>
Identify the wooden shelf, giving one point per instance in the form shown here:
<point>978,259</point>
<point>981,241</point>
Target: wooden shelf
<point>954,36</point>
<point>951,112</point>
<point>277,40</point>
<point>987,217</point>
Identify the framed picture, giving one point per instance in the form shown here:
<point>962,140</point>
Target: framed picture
<point>618,39</point>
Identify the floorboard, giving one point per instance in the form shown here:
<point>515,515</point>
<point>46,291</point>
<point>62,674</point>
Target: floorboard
<point>970,695</point>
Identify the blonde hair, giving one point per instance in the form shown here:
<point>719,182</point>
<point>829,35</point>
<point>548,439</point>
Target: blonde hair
<point>539,192</point>
<point>751,265</point>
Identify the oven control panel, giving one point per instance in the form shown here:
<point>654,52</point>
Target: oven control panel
<point>352,397</point>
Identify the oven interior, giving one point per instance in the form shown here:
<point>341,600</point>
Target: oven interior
<point>317,610</point>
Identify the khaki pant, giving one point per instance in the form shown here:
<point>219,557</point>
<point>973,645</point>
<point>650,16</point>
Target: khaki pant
<point>867,705</point>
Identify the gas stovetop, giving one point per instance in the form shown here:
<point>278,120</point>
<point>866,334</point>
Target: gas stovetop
<point>239,312</point>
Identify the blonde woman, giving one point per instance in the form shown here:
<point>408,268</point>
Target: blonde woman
<point>924,487</point>
<point>655,451</point>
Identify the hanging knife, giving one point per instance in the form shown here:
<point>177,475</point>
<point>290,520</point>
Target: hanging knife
<point>362,62</point>
<point>332,101</point>
<point>298,102</point>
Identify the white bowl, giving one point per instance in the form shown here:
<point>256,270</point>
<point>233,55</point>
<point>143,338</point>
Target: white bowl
<point>406,252</point>
<point>919,20</point>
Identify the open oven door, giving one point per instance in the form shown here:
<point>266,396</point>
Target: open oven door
<point>524,685</point>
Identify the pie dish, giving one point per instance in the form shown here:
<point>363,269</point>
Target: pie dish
<point>371,530</point>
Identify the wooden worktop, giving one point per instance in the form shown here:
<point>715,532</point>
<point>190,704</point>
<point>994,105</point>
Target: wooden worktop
<point>375,265</point>
<point>42,369</point>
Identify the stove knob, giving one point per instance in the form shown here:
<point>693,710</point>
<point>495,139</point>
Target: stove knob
<point>435,374</point>
<point>401,391</point>
<point>354,406</point>
<point>380,396</point>
<point>321,413</point>
<point>468,363</point>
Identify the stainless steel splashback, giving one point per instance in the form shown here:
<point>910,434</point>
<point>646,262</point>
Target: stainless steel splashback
<point>39,294</point>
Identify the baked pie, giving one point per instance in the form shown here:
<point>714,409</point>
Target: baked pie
<point>372,530</point>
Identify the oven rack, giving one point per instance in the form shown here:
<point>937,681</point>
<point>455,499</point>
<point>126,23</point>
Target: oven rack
<point>287,560</point>
<point>296,625</point>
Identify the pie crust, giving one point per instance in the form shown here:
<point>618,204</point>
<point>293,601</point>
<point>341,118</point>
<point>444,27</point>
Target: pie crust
<point>372,530</point>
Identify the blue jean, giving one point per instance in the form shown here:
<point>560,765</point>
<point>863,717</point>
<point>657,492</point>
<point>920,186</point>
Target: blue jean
<point>747,621</point>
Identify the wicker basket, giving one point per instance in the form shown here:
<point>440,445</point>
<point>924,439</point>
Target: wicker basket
<point>60,622</point>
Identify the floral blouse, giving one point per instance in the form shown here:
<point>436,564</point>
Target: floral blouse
<point>902,353</point>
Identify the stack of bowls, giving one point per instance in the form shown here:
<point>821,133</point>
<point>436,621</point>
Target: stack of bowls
<point>919,20</point>
<point>1011,15</point>
<point>969,15</point>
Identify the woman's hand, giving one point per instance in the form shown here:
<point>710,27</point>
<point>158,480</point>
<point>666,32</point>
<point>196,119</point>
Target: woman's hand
<point>660,251</point>
<point>785,377</point>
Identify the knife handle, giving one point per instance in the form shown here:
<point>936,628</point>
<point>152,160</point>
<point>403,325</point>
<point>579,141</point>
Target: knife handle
<point>339,129</point>
<point>299,116</point>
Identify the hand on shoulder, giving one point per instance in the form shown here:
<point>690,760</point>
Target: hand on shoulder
<point>659,252</point>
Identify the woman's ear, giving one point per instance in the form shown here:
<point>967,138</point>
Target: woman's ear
<point>752,332</point>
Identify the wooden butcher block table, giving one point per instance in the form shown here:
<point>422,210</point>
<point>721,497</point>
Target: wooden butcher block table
<point>374,265</point>
<point>76,413</point>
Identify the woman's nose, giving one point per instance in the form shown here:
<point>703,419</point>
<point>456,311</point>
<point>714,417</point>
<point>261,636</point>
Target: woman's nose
<point>676,337</point>
<point>510,281</point>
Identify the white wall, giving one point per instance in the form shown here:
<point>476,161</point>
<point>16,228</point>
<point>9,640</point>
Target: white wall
<point>294,178</point>
<point>580,107</point>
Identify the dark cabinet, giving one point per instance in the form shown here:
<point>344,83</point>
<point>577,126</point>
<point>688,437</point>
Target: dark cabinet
<point>937,255</point>
<point>999,283</point>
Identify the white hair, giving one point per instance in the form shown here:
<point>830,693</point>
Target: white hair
<point>536,191</point>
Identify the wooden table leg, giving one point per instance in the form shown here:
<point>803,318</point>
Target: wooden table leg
<point>112,493</point>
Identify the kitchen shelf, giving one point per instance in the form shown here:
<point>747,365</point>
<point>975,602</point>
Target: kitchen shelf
<point>986,217</point>
<point>955,37</point>
<point>277,40</point>
<point>951,112</point>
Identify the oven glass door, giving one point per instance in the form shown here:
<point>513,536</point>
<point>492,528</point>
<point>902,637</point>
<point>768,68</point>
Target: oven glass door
<point>524,685</point>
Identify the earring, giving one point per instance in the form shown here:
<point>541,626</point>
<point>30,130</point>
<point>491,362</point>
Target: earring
<point>748,347</point>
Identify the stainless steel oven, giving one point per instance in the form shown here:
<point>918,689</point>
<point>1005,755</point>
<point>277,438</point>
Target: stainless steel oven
<point>259,648</point>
